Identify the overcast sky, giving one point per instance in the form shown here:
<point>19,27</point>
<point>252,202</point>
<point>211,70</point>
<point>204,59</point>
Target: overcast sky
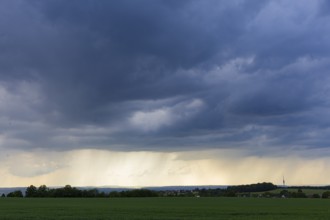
<point>154,92</point>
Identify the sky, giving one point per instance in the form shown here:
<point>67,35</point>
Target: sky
<point>164,92</point>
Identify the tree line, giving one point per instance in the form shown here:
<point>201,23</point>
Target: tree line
<point>258,187</point>
<point>72,192</point>
<point>69,191</point>
<point>251,190</point>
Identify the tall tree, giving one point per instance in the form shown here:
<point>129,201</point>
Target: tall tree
<point>31,191</point>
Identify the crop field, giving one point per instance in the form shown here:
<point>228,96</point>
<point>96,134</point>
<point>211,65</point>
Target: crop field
<point>163,208</point>
<point>308,192</point>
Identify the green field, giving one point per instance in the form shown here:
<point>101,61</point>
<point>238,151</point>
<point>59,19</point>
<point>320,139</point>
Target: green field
<point>308,192</point>
<point>164,208</point>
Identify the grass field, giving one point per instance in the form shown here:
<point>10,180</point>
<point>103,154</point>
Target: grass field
<point>308,192</point>
<point>164,208</point>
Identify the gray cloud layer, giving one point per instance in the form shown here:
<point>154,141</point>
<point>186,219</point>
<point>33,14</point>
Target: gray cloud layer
<point>164,75</point>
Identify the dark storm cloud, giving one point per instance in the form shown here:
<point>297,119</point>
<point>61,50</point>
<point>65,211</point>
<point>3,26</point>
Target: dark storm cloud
<point>163,75</point>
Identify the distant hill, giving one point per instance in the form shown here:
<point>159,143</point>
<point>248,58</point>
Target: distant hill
<point>11,189</point>
<point>106,189</point>
<point>163,188</point>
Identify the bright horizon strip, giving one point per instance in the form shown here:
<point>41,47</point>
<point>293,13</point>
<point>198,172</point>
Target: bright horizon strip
<point>142,169</point>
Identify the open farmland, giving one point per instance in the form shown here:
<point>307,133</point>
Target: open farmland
<point>307,191</point>
<point>164,208</point>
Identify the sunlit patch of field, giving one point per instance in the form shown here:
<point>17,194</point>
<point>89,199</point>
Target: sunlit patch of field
<point>308,192</point>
